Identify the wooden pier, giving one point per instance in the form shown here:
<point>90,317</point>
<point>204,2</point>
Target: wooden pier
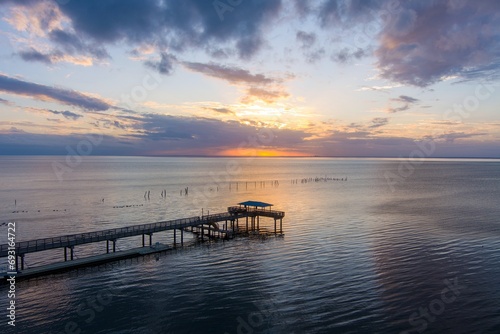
<point>216,226</point>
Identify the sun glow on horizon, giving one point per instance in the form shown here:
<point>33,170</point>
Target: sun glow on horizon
<point>262,153</point>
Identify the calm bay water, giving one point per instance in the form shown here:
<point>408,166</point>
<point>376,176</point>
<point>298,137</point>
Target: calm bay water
<point>356,257</point>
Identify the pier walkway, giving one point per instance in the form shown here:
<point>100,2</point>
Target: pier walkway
<point>204,226</point>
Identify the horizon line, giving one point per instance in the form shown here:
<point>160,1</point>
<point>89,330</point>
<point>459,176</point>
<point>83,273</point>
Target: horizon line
<point>254,156</point>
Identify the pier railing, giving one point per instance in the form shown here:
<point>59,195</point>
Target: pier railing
<point>110,234</point>
<point>256,211</point>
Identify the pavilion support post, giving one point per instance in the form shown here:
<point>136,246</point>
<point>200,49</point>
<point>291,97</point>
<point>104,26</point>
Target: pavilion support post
<point>202,232</point>
<point>150,239</point>
<point>114,245</point>
<point>71,252</point>
<point>258,223</point>
<point>143,243</point>
<point>65,255</point>
<point>274,226</point>
<point>175,237</point>
<point>281,225</point>
<point>107,246</point>
<point>247,223</point>
<point>182,237</point>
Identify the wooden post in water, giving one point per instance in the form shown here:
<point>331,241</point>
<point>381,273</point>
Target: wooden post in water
<point>65,255</point>
<point>281,225</point>
<point>175,241</point>
<point>182,237</point>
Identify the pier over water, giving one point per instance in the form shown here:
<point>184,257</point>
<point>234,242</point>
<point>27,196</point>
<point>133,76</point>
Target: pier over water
<point>215,226</point>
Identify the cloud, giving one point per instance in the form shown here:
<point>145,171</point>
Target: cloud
<point>164,65</point>
<point>230,74</point>
<point>155,134</point>
<point>346,54</point>
<point>378,122</point>
<point>425,42</point>
<point>226,111</point>
<point>199,135</point>
<point>406,99</point>
<point>35,17</point>
<point>67,114</point>
<point>398,109</point>
<point>6,102</point>
<point>257,86</point>
<point>74,44</point>
<point>173,24</point>
<point>266,95</point>
<point>305,39</point>
<point>306,43</point>
<point>415,43</point>
<point>34,55</point>
<point>383,89</point>
<point>18,142</point>
<point>42,92</point>
<point>452,136</point>
<point>54,56</point>
<point>341,13</point>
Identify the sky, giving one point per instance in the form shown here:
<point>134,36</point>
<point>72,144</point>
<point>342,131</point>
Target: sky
<point>366,78</point>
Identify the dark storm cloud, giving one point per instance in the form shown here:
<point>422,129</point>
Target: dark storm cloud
<point>64,96</point>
